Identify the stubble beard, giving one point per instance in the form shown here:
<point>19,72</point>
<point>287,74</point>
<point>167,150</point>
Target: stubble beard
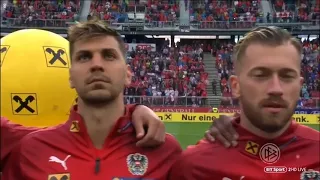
<point>260,120</point>
<point>97,100</point>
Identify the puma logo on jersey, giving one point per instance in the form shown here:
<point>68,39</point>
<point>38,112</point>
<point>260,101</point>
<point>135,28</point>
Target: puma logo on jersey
<point>59,161</point>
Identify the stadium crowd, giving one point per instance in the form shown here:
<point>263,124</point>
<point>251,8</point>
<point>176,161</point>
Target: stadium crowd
<point>108,11</point>
<point>150,11</point>
<point>41,13</point>
<point>163,12</point>
<point>170,76</point>
<point>296,11</point>
<point>310,71</point>
<point>162,76</point>
<point>224,14</point>
<point>203,14</point>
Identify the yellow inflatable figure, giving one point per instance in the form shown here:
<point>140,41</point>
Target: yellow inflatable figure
<point>34,78</point>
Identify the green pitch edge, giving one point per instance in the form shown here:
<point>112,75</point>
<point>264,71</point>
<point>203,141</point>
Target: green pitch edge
<point>189,133</point>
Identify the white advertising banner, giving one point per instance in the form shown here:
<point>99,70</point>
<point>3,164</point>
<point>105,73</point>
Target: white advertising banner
<point>146,46</point>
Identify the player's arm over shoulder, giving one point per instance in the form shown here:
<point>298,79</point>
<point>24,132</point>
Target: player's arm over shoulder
<point>169,151</point>
<point>309,140</point>
<point>14,132</point>
<point>11,134</point>
<point>14,168</point>
<point>162,157</point>
<point>171,147</point>
<point>308,133</point>
<point>23,161</point>
<point>189,162</point>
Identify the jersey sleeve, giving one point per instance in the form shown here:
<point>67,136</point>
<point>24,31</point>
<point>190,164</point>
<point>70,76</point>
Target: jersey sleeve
<point>174,149</point>
<point>165,156</point>
<point>192,164</point>
<point>182,169</point>
<point>22,161</point>
<point>11,134</point>
<point>12,169</point>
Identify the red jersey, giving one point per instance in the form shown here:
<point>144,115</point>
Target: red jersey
<point>294,152</point>
<point>66,152</point>
<point>11,134</point>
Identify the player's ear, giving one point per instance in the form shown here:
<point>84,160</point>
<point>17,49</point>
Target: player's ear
<point>70,80</point>
<point>71,83</point>
<point>128,76</point>
<point>301,81</point>
<point>235,87</point>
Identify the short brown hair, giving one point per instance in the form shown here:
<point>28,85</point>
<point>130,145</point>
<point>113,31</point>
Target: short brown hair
<point>91,29</point>
<point>273,36</point>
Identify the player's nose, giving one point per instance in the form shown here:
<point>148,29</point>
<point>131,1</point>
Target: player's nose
<point>275,87</point>
<point>96,63</point>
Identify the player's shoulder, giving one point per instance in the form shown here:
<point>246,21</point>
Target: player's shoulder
<point>203,145</point>
<point>171,142</point>
<point>308,133</point>
<point>46,134</point>
<point>202,150</point>
<point>6,125</point>
<point>4,121</point>
<point>195,156</point>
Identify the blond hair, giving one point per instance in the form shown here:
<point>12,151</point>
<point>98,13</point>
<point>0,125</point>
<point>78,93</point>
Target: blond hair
<point>92,29</point>
<point>272,36</point>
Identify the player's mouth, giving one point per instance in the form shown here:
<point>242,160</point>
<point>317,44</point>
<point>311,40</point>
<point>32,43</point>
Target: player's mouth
<point>274,107</point>
<point>94,80</point>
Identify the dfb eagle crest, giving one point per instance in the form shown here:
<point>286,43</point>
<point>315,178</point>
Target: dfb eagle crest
<point>310,175</point>
<point>137,164</point>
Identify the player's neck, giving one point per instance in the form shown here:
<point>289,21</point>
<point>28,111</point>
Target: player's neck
<point>100,121</point>
<point>246,124</point>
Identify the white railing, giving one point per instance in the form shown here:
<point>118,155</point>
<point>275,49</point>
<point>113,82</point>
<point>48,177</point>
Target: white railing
<point>189,101</point>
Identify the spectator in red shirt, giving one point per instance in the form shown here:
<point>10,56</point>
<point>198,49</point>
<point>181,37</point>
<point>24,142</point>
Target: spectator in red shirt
<point>267,84</point>
<point>99,131</point>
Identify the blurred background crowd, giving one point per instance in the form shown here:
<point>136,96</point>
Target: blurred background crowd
<point>210,13</point>
<point>176,75</point>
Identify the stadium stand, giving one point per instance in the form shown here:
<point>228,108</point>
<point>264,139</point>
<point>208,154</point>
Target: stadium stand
<point>158,13</point>
<point>205,14</point>
<point>109,11</point>
<point>223,14</point>
<point>171,76</point>
<point>310,92</point>
<point>310,71</point>
<point>162,11</point>
<point>162,76</point>
<point>296,11</point>
<point>41,13</point>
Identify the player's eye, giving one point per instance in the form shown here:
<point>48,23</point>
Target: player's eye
<point>287,76</point>
<point>261,75</point>
<point>109,56</point>
<point>83,58</point>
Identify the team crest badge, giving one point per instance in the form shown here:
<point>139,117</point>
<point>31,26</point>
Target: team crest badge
<point>137,164</point>
<point>310,175</point>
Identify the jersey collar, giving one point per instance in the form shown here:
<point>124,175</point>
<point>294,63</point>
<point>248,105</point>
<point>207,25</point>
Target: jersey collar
<point>75,123</point>
<point>251,144</point>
